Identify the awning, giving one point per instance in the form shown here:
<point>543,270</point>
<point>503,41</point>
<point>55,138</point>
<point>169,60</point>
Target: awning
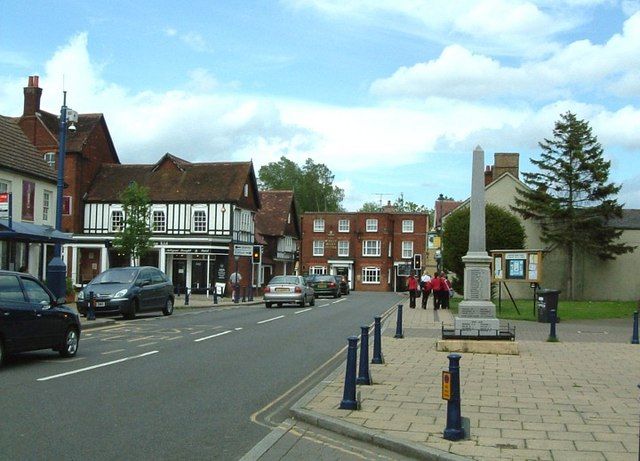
<point>32,232</point>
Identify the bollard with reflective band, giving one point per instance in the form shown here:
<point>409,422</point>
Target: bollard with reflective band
<point>91,313</point>
<point>399,323</point>
<point>634,336</point>
<point>454,430</point>
<point>552,333</point>
<point>364,377</point>
<point>349,401</point>
<point>377,342</point>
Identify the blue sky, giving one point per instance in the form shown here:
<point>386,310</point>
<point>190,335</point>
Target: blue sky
<point>392,96</point>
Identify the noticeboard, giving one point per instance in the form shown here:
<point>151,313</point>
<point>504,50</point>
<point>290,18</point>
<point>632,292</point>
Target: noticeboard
<point>516,265</point>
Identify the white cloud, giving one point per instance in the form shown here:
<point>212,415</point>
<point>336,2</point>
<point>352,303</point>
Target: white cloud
<point>193,40</point>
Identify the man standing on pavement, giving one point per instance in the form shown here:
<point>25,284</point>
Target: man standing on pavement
<point>425,286</point>
<point>234,281</point>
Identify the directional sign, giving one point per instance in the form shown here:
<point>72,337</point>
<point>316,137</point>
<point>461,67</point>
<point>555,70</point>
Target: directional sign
<point>242,250</point>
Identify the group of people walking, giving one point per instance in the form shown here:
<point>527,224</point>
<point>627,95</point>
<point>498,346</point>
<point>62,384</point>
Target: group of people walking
<point>439,285</point>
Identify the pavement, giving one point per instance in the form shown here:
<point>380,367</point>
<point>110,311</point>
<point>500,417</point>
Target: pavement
<point>576,399</point>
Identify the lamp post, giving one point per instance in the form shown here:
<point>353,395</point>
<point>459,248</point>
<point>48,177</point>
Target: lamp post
<point>56,269</point>
<point>440,199</point>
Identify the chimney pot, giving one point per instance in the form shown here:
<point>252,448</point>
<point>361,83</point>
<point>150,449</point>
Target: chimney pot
<point>32,95</point>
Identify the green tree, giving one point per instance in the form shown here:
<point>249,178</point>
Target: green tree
<point>400,205</point>
<point>134,240</point>
<point>370,207</point>
<point>312,184</point>
<point>503,230</point>
<point>571,196</point>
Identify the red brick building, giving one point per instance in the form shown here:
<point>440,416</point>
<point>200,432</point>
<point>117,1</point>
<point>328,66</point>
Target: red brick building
<point>375,251</point>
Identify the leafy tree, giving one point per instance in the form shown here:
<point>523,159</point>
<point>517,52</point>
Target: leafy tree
<point>312,184</point>
<point>134,240</point>
<point>570,196</point>
<point>370,207</point>
<point>503,230</point>
<point>400,204</point>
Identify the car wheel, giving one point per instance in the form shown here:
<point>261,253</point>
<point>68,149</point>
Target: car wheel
<point>168,307</point>
<point>313,301</point>
<point>1,352</point>
<point>267,305</point>
<point>132,313</point>
<point>70,345</point>
<point>336,295</point>
<point>303,302</point>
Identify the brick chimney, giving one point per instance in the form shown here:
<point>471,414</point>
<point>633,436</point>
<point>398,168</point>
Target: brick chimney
<point>388,208</point>
<point>32,95</point>
<point>488,175</point>
<point>506,163</point>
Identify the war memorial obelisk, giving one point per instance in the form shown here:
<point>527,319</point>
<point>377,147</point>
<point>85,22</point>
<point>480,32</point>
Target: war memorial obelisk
<point>476,324</point>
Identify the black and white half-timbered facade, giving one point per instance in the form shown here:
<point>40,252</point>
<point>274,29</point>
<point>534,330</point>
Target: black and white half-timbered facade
<point>199,212</point>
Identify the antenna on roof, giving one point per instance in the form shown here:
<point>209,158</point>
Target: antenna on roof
<point>380,197</point>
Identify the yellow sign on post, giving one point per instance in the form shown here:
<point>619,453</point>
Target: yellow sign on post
<point>446,385</point>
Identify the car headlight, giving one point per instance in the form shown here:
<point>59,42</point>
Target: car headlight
<point>121,293</point>
<point>81,296</point>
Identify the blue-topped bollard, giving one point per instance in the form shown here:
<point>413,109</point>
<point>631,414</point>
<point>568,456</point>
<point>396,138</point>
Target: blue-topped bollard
<point>364,377</point>
<point>349,401</point>
<point>377,342</point>
<point>634,336</point>
<point>451,393</point>
<point>399,323</point>
<point>91,313</point>
<point>187,294</point>
<point>552,319</point>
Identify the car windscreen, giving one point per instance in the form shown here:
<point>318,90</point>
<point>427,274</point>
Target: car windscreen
<point>282,279</point>
<point>127,275</point>
<point>324,278</point>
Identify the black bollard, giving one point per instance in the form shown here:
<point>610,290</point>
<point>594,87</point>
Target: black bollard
<point>236,293</point>
<point>377,342</point>
<point>244,292</point>
<point>178,290</point>
<point>215,294</point>
<point>250,293</point>
<point>634,336</point>
<point>399,323</point>
<point>364,377</point>
<point>91,314</point>
<point>451,383</point>
<point>552,333</point>
<point>349,401</point>
<point>187,293</point>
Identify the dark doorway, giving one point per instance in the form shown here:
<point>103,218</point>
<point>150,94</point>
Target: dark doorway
<point>179,274</point>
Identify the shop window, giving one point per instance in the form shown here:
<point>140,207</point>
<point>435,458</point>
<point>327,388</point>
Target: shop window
<point>371,275</point>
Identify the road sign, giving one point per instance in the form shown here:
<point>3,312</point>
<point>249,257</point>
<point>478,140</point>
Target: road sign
<point>4,205</point>
<point>446,385</point>
<point>242,250</point>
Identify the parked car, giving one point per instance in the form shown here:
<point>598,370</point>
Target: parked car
<point>343,283</point>
<point>128,291</point>
<point>31,318</point>
<point>288,289</point>
<point>325,285</point>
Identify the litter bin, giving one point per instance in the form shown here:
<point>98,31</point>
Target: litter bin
<point>546,300</point>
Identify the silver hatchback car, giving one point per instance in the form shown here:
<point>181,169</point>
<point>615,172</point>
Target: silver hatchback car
<point>288,289</point>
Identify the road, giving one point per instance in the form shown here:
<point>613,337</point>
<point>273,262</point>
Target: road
<point>201,384</point>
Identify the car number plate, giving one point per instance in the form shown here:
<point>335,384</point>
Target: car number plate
<point>100,304</point>
<point>282,290</point>
<point>322,285</point>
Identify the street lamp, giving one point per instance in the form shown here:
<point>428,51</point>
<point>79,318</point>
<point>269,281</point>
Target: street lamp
<point>56,269</point>
<point>440,199</point>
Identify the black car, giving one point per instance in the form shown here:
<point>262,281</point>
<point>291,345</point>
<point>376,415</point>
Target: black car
<point>31,318</point>
<point>128,291</point>
<point>325,285</point>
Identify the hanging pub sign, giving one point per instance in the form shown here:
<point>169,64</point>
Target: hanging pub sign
<point>4,205</point>
<point>517,265</point>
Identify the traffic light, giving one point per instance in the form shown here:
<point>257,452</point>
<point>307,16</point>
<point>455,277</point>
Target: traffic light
<point>256,255</point>
<point>417,261</point>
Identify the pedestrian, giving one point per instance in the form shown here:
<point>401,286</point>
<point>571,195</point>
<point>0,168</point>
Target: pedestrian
<point>426,289</point>
<point>412,285</point>
<point>435,288</point>
<point>234,281</point>
<point>446,291</point>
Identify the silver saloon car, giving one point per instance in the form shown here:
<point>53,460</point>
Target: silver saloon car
<point>288,289</point>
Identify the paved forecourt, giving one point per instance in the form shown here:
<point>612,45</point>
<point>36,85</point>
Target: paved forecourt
<point>575,399</point>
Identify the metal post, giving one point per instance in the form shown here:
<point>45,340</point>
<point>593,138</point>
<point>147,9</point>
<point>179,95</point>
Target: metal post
<point>634,337</point>
<point>91,315</point>
<point>552,318</point>
<point>349,401</point>
<point>187,293</point>
<point>399,323</point>
<point>377,342</point>
<point>363,371</point>
<point>250,298</point>
<point>215,293</point>
<point>454,430</point>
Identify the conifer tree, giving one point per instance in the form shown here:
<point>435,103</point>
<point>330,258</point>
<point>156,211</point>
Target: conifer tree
<point>571,196</point>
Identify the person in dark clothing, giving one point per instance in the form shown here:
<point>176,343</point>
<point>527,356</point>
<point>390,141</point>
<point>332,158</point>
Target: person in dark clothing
<point>446,291</point>
<point>412,285</point>
<point>426,291</point>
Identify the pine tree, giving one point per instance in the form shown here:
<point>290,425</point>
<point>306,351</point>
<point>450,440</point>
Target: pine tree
<point>571,196</point>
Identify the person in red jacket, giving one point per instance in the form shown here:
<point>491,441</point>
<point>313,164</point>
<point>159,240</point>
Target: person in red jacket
<point>436,283</point>
<point>412,286</point>
<point>426,290</point>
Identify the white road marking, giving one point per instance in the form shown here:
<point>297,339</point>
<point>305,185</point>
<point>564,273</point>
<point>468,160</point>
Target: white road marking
<point>271,320</point>
<point>113,352</point>
<point>303,310</point>
<point>213,336</point>
<point>339,300</point>
<point>80,370</point>
<point>147,344</point>
<point>238,329</point>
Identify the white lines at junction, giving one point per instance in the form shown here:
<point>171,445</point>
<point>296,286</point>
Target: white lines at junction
<point>213,336</point>
<point>93,367</point>
<point>303,310</point>
<point>271,319</point>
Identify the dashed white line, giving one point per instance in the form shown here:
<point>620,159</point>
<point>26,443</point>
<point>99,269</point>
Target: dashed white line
<point>80,370</point>
<point>303,310</point>
<point>339,300</point>
<point>271,319</point>
<point>213,336</point>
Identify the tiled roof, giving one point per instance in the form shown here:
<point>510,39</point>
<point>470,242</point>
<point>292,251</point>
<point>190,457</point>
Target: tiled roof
<point>272,217</point>
<point>630,220</point>
<point>18,154</point>
<point>173,179</point>
<point>75,141</point>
